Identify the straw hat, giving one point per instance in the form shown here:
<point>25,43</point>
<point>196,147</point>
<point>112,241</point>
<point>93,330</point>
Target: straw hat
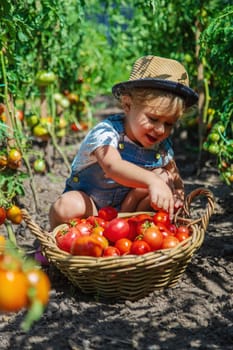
<point>160,73</point>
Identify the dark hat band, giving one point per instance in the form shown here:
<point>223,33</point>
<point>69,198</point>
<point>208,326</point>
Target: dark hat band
<point>188,94</point>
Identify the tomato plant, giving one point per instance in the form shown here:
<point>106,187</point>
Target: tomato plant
<point>116,229</point>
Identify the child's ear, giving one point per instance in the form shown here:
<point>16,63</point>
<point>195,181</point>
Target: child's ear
<point>126,103</point>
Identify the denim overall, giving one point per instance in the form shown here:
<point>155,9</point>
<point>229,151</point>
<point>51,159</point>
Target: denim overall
<point>105,191</point>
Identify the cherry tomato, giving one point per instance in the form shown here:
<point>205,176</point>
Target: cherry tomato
<point>164,230</point>
<point>84,227</point>
<point>87,246</point>
<point>142,226</point>
<point>182,233</point>
<point>39,165</point>
<point>40,282</point>
<point>14,214</point>
<point>170,242</point>
<point>124,245</point>
<point>116,229</point>
<point>13,291</point>
<point>107,213</point>
<point>172,228</point>
<point>66,237</point>
<point>3,160</point>
<point>183,229</point>
<point>19,115</point>
<point>98,230</point>
<point>161,217</point>
<point>44,78</point>
<point>2,215</point>
<point>140,247</point>
<point>154,237</point>
<point>96,221</point>
<point>111,251</point>
<point>14,158</point>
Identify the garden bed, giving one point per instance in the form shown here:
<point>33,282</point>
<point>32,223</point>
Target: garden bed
<point>195,314</point>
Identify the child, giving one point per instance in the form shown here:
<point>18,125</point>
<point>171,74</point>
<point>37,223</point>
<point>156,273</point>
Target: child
<point>126,161</point>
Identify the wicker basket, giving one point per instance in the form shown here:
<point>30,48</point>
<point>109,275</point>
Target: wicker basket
<point>130,277</point>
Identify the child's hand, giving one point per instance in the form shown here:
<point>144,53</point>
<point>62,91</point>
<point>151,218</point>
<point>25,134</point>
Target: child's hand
<point>161,196</point>
<point>178,195</point>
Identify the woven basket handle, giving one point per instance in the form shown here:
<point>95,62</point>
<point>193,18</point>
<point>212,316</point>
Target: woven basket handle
<point>44,236</point>
<point>204,219</point>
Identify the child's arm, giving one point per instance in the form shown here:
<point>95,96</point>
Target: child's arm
<point>178,184</point>
<point>131,175</point>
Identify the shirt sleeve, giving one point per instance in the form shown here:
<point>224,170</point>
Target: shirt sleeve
<point>102,134</point>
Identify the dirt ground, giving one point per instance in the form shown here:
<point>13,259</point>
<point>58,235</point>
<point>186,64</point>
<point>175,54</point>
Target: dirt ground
<point>196,314</point>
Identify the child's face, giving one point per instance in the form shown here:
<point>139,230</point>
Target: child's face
<point>149,124</point>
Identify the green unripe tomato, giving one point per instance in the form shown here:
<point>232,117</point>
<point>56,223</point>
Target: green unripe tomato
<point>213,148</point>
<point>39,165</point>
<point>32,120</point>
<point>214,137</point>
<point>44,78</point>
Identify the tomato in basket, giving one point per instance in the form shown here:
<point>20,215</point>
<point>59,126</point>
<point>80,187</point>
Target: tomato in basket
<point>170,242</point>
<point>111,251</point>
<point>154,237</point>
<point>65,238</point>
<point>161,217</point>
<point>140,247</point>
<point>182,233</point>
<point>87,246</point>
<point>116,229</point>
<point>107,213</point>
<point>124,245</point>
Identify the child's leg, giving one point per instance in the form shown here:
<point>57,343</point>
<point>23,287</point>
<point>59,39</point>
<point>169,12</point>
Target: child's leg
<point>70,205</point>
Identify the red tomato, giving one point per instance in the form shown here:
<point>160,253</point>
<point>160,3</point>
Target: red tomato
<point>95,220</point>
<point>172,228</point>
<point>116,229</point>
<point>84,227</point>
<point>161,217</point>
<point>2,215</point>
<point>132,221</point>
<point>165,231</point>
<point>182,233</point>
<point>74,222</point>
<point>170,242</point>
<point>107,213</point>
<point>65,238</point>
<point>87,246</point>
<point>183,229</point>
<point>153,237</point>
<point>111,251</point>
<point>124,245</point>
<point>140,247</point>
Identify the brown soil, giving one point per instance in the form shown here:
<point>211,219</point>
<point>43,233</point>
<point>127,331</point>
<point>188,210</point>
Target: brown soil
<point>195,314</point>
